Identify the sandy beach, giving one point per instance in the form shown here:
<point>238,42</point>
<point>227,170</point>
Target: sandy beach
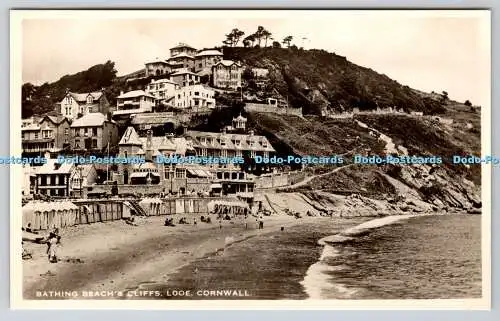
<point>115,256</point>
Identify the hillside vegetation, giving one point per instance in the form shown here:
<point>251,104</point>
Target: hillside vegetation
<point>317,80</point>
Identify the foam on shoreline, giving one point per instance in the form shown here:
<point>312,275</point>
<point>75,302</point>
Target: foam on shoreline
<point>317,280</point>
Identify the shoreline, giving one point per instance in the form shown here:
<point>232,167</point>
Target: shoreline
<point>115,256</point>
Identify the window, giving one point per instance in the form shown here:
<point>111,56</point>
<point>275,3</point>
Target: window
<point>77,143</point>
<point>36,135</point>
<point>66,131</point>
<point>196,93</point>
<point>94,143</point>
<point>77,132</point>
<point>90,99</point>
<point>94,131</point>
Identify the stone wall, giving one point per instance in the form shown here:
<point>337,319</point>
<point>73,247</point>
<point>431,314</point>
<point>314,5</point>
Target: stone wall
<point>265,108</point>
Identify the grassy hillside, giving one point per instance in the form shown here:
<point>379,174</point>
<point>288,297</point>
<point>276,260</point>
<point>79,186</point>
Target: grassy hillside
<point>316,80</point>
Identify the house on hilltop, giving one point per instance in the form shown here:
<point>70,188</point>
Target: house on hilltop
<point>227,74</point>
<point>182,48</point>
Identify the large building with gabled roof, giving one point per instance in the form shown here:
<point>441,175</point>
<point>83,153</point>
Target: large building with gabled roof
<point>79,104</point>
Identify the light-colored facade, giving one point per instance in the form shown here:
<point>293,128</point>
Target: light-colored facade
<point>157,68</point>
<point>93,132</point>
<point>229,144</point>
<point>53,179</point>
<point>182,60</point>
<point>133,102</point>
<point>46,135</point>
<point>185,77</point>
<point>82,176</point>
<point>162,89</point>
<point>182,48</point>
<point>227,74</point>
<point>196,96</point>
<point>74,104</point>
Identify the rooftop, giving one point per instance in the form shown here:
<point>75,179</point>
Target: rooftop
<point>90,120</point>
<point>228,63</point>
<point>53,167</point>
<point>134,93</point>
<point>209,53</point>
<point>82,97</point>
<point>182,45</point>
<point>181,55</point>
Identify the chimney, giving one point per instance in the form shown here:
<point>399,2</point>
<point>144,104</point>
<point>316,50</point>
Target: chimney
<point>121,92</point>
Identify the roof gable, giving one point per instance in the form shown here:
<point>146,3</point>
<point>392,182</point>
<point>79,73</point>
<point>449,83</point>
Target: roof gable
<point>130,137</point>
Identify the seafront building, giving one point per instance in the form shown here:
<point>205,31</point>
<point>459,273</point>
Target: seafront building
<point>48,134</point>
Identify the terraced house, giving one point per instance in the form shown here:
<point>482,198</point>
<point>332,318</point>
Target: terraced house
<point>48,134</point>
<point>93,132</point>
<point>229,145</point>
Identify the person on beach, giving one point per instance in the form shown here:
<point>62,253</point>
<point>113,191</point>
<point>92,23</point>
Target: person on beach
<point>261,223</point>
<point>194,222</point>
<point>52,242</point>
<point>246,222</point>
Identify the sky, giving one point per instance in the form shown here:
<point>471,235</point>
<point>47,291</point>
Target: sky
<point>426,50</point>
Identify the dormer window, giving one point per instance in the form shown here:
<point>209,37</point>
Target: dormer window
<point>90,99</point>
<point>264,143</point>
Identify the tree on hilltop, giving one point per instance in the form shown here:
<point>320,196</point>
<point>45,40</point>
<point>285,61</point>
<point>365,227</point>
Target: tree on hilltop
<point>287,40</point>
<point>233,37</point>
<point>249,40</point>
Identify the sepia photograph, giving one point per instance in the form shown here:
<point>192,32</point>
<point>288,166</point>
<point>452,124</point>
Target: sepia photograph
<point>250,158</point>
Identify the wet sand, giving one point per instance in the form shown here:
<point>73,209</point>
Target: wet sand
<point>115,256</point>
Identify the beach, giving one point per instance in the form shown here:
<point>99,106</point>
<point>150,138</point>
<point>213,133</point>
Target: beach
<point>115,256</point>
<point>311,258</point>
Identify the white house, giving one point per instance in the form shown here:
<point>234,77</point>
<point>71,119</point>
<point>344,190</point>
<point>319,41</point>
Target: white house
<point>133,102</point>
<point>185,77</point>
<point>83,175</point>
<point>162,89</point>
<point>196,96</point>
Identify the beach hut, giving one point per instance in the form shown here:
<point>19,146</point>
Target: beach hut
<point>46,215</point>
<point>152,206</point>
<point>227,207</point>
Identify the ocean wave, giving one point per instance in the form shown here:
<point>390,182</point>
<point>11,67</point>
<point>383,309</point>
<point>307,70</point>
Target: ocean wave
<point>318,283</point>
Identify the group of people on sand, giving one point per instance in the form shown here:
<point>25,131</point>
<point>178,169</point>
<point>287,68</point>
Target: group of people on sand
<point>52,239</point>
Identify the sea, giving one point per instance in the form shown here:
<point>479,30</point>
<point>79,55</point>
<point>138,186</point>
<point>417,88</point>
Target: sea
<point>397,257</point>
